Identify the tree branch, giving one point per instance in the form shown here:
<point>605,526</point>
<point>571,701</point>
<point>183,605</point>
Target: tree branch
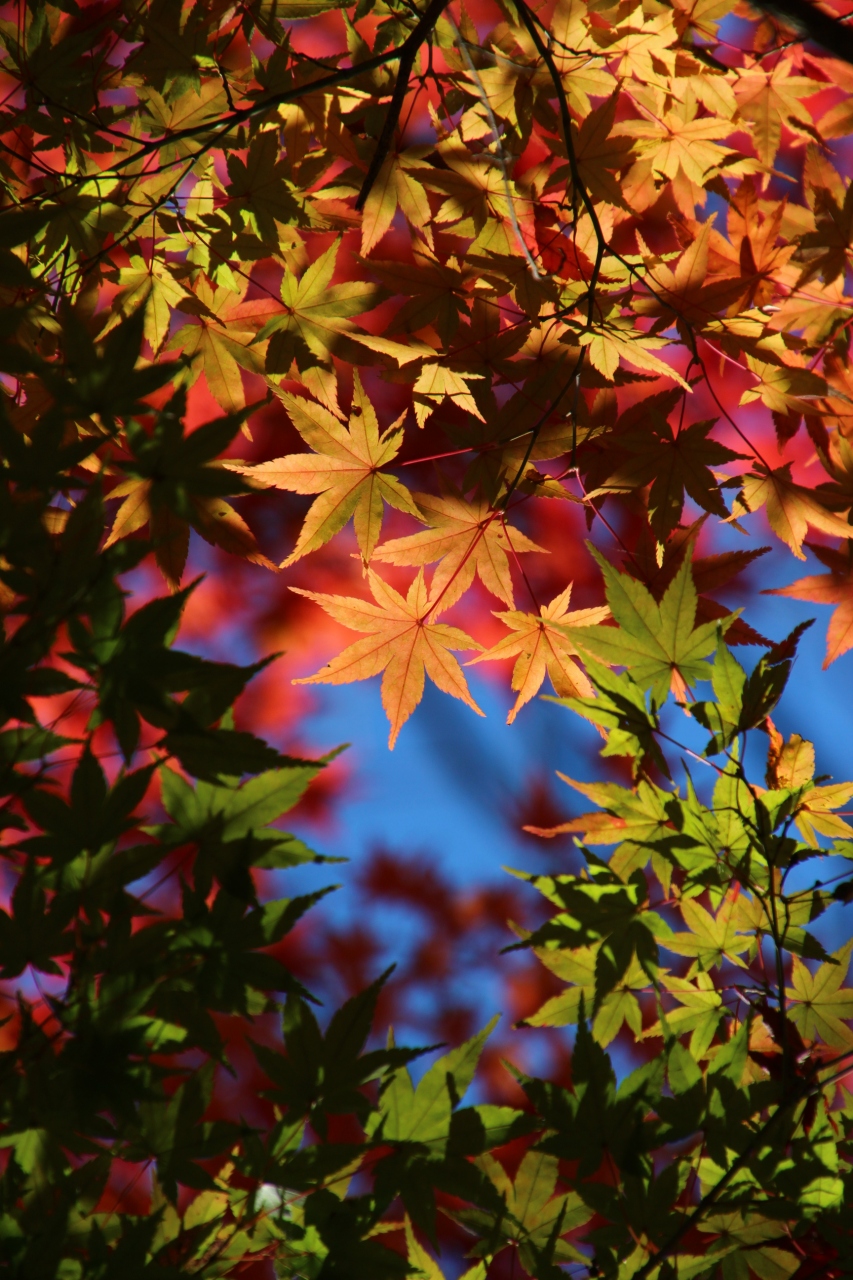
<point>407,53</point>
<point>811,23</point>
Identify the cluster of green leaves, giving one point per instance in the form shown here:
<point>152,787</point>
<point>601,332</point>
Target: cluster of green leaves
<point>733,1144</point>
<point>131,947</point>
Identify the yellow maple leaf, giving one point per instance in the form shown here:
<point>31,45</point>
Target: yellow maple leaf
<point>152,285</point>
<point>541,648</point>
<point>819,1005</point>
<point>223,339</point>
<point>645,48</point>
<point>344,469</point>
<point>473,187</point>
<point>437,382</point>
<point>791,508</point>
<point>400,643</point>
<point>399,183</point>
<point>581,66</point>
<point>768,96</point>
<point>616,339</point>
<point>784,388</point>
<point>468,538</point>
<point>315,324</point>
<point>680,140</point>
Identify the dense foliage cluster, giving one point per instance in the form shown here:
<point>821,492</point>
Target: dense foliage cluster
<point>471,273</point>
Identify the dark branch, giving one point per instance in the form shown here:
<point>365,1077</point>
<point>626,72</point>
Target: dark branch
<point>407,53</point>
<point>811,23</point>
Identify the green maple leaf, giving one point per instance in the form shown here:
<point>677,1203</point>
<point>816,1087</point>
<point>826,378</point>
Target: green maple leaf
<point>657,642</point>
<point>621,709</point>
<point>316,324</point>
<point>820,1005</point>
<point>577,968</point>
<point>532,1210</point>
<point>259,193</point>
<point>423,1114</point>
<point>711,939</point>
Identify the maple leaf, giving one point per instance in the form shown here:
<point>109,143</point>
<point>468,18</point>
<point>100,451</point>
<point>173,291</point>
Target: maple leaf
<point>768,96</point>
<point>643,47</point>
<point>151,285</point>
<point>400,643</point>
<point>541,649</point>
<point>711,939</point>
<point>700,1013</point>
<point>531,1212</point>
<point>437,292</point>
<point>752,252</point>
<point>791,508</point>
<point>700,16</point>
<point>173,483</point>
<point>816,312</point>
<point>709,573</point>
<point>223,340</point>
<point>791,765</point>
<point>399,184</point>
<point>819,1005</point>
<point>436,383</point>
<point>837,120</point>
<point>581,74</point>
<point>577,967</point>
<point>673,463</point>
<point>783,387</point>
<point>599,150</point>
<point>315,324</point>
<point>633,819</point>
<point>682,148</point>
<point>259,193</point>
<point>835,588</point>
<point>691,290</point>
<point>344,469</point>
<point>616,340</point>
<point>657,643</point>
<point>468,538</point>
<point>827,249</point>
<point>474,187</point>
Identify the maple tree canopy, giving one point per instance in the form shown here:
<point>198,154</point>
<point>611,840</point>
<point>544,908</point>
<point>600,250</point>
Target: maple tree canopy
<point>499,333</point>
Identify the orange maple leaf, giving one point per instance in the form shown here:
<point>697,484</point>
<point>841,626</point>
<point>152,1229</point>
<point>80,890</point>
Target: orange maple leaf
<point>685,289</point>
<point>400,643</point>
<point>468,538</point>
<point>543,648</point>
<point>344,469</point>
<point>835,587</point>
<point>751,258</point>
